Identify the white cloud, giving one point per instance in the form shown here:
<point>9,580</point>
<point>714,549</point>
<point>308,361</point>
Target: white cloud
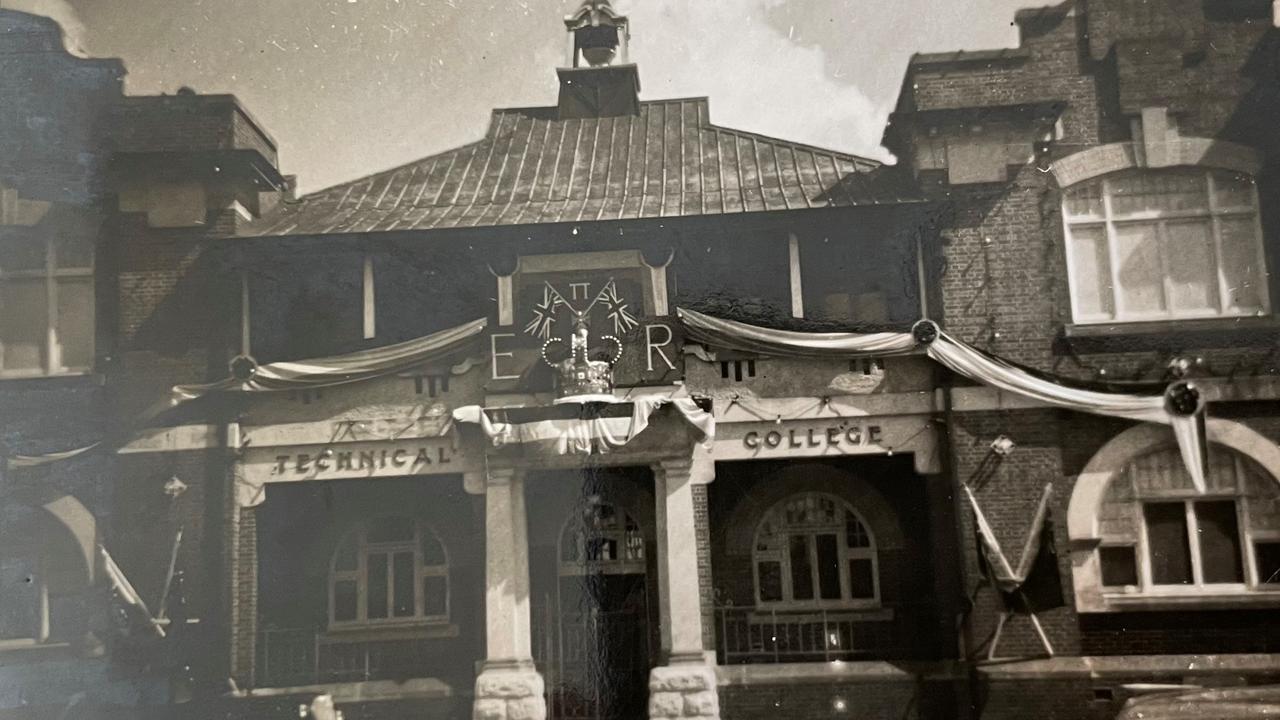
<point>756,77</point>
<point>73,30</point>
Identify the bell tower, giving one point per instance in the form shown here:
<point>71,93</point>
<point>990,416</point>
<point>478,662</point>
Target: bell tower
<point>598,80</point>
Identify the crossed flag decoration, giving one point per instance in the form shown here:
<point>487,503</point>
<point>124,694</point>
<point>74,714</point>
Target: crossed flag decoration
<point>617,309</point>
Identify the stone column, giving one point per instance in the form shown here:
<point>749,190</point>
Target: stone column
<point>686,686</point>
<point>509,687</point>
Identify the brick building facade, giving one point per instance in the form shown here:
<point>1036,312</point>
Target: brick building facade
<point>417,496</point>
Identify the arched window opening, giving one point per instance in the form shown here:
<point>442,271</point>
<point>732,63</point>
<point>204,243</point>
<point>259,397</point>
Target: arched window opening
<point>601,538</point>
<point>391,570</point>
<point>1159,536</point>
<point>814,550</point>
<point>1165,244</point>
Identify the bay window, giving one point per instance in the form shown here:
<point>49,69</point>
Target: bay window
<point>46,306</point>
<point>1165,244</point>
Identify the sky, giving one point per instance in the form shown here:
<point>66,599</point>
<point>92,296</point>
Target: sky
<point>351,87</point>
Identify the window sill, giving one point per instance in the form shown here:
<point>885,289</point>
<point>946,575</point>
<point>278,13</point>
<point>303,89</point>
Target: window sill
<point>32,650</point>
<point>1168,334</point>
<point>417,630</point>
<point>1122,602</point>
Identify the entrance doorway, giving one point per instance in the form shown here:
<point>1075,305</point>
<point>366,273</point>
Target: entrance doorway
<point>592,629</point>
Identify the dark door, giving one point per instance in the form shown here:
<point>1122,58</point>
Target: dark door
<point>592,633</point>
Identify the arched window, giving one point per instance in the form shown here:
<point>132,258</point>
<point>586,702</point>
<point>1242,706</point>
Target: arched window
<point>391,570</point>
<point>1159,536</point>
<point>1165,244</point>
<point>814,550</point>
<point>602,538</point>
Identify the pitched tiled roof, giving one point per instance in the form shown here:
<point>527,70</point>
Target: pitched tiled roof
<point>531,167</point>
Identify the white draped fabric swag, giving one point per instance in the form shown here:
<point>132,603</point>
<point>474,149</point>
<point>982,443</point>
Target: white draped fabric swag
<point>613,431</point>
<point>298,375</point>
<point>585,435</point>
<point>963,360</point>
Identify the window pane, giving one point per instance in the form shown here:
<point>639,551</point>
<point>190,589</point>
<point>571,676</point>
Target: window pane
<point>828,567</point>
<point>1139,274</point>
<point>862,583</point>
<point>345,557</point>
<point>73,251</point>
<point>1085,200</point>
<point>1219,542</point>
<point>24,318</point>
<point>602,549</point>
<point>635,542</point>
<point>75,322</point>
<point>1091,271</point>
<point>1167,191</point>
<point>21,254</point>
<point>1167,539</point>
<point>770,581</point>
<point>391,529</point>
<point>1268,556</point>
<point>1119,566</point>
<point>1232,190</point>
<point>855,535</point>
<point>377,597</point>
<point>1241,267</point>
<point>402,578</point>
<point>435,601</point>
<point>344,600</point>
<point>1192,268</point>
<point>801,568</point>
<point>432,550</point>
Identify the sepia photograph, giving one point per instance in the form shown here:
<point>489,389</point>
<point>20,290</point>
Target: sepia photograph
<point>639,359</point>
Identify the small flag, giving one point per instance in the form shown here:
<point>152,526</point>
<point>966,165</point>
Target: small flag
<point>616,308</point>
<point>544,314</point>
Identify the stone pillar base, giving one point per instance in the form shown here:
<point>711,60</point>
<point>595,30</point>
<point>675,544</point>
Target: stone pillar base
<point>677,692</point>
<point>509,694</point>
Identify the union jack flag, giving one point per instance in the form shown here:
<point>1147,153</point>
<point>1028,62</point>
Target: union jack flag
<point>544,314</point>
<point>616,309</point>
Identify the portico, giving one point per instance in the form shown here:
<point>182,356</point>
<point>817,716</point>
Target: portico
<point>515,673</point>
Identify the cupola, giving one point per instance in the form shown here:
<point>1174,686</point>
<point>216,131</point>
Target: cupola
<point>598,80</point>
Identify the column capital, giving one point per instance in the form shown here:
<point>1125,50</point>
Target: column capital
<point>474,482</point>
<point>674,468</point>
<point>502,476</point>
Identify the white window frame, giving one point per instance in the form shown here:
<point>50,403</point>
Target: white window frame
<point>629,530</point>
<point>360,575</point>
<point>51,273</point>
<point>1248,537</point>
<point>845,553</point>
<point>1214,214</point>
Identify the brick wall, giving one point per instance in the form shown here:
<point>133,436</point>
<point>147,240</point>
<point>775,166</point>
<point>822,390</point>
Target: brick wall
<point>706,583</point>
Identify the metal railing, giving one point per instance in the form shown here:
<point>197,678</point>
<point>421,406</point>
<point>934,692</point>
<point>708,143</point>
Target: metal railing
<point>747,635</point>
<point>290,657</point>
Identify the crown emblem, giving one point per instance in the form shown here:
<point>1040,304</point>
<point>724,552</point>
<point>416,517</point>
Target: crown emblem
<point>578,374</point>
